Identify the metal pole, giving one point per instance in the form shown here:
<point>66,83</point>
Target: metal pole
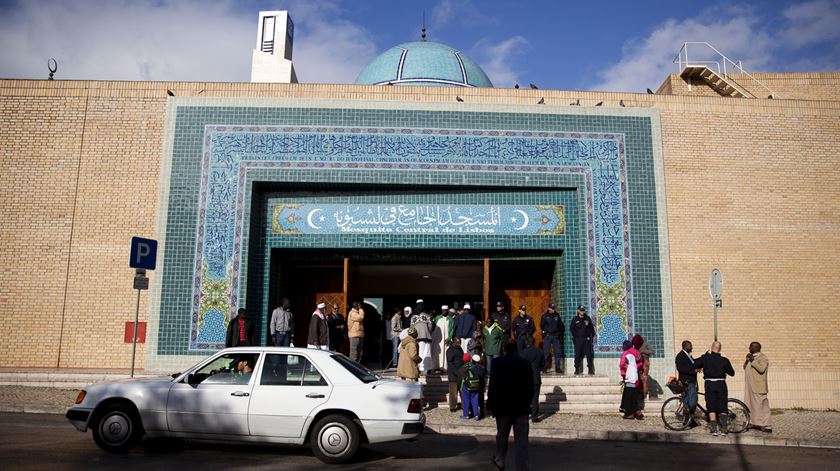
<point>716,306</point>
<point>134,337</point>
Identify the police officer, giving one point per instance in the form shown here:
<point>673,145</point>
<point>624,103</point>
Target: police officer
<point>552,328</point>
<point>583,336</point>
<point>502,318</point>
<point>523,327</point>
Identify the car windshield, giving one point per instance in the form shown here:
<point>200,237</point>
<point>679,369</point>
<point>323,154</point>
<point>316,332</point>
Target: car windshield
<point>359,371</point>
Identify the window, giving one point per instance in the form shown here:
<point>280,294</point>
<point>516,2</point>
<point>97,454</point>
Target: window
<point>290,370</point>
<point>226,369</point>
<point>359,371</point>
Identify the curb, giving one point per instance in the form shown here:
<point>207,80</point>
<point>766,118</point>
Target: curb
<point>33,409</point>
<point>661,437</point>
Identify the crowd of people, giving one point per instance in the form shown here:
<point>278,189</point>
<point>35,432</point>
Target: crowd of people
<point>454,342</point>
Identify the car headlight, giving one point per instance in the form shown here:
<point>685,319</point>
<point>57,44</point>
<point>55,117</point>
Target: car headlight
<point>81,396</point>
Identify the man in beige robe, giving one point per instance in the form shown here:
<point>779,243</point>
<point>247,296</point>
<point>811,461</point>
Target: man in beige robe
<point>755,388</point>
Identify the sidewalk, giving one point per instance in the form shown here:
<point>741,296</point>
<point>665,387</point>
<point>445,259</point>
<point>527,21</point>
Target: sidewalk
<point>790,427</point>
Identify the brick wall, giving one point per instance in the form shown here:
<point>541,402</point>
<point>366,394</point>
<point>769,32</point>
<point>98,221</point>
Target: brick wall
<point>752,188</point>
<point>799,86</point>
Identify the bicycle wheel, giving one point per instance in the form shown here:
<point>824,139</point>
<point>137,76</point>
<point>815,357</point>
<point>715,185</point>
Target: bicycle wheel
<point>738,416</point>
<point>674,414</point>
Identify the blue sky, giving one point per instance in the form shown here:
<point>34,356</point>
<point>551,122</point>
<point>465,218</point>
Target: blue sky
<point>615,46</point>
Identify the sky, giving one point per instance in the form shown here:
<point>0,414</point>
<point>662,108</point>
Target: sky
<point>555,44</point>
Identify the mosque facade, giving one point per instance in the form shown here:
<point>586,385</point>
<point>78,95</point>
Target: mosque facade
<point>422,180</point>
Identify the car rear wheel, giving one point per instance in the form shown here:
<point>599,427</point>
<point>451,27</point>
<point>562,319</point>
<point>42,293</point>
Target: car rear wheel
<point>334,439</point>
<point>116,428</point>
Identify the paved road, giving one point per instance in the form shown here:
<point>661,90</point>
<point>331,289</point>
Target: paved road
<point>36,441</point>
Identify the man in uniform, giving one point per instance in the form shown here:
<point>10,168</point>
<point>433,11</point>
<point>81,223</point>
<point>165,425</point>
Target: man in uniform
<point>552,328</point>
<point>523,327</point>
<point>502,318</point>
<point>583,336</point>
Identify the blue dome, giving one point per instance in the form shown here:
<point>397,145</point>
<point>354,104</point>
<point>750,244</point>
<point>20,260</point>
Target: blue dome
<point>423,63</point>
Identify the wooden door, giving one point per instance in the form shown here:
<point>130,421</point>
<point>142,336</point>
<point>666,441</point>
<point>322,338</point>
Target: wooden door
<point>517,282</point>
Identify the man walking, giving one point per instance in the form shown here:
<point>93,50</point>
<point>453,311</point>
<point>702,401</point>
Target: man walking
<point>687,371</point>
<point>583,336</point>
<point>465,325</point>
<point>356,331</point>
<point>409,357</point>
<point>470,380</point>
<point>422,322</point>
<point>282,324</point>
<point>755,388</point>
<point>509,397</point>
<point>523,327</point>
<point>537,361</point>
<point>552,328</point>
<point>319,333</point>
<point>240,331</point>
<point>715,368</point>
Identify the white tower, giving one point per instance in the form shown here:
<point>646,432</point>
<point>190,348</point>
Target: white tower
<point>272,58</point>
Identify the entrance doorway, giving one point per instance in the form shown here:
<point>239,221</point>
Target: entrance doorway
<point>387,281</point>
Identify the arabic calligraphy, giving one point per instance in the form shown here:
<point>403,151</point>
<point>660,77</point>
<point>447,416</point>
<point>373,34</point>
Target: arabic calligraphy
<point>417,219</point>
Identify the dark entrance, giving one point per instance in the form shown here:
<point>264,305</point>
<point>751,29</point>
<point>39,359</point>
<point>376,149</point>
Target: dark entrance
<point>387,281</point>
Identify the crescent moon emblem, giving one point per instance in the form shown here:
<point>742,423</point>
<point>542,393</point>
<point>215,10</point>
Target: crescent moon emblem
<point>524,216</point>
<point>309,219</point>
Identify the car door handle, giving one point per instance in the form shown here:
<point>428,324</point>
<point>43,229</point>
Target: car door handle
<point>240,394</point>
<point>315,396</point>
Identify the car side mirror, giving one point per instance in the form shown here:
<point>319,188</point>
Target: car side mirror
<point>175,375</point>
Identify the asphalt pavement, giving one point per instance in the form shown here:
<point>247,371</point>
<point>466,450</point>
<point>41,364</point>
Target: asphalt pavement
<point>46,441</point>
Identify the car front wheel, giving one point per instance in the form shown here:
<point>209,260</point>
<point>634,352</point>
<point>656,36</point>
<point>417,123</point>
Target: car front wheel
<point>334,439</point>
<point>116,428</point>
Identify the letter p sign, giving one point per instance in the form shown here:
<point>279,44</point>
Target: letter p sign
<point>143,253</point>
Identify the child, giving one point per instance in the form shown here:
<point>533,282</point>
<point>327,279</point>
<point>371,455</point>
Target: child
<point>470,379</point>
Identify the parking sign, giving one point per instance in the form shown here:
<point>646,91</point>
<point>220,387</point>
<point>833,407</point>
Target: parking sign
<point>143,253</point>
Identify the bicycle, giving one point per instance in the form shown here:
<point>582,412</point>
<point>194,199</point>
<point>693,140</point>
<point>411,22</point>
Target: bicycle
<point>676,417</point>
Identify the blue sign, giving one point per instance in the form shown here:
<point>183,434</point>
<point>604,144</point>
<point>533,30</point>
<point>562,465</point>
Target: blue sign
<point>143,253</point>
<point>417,219</point>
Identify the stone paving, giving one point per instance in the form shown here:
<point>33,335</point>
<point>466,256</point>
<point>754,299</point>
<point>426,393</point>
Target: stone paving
<point>790,427</point>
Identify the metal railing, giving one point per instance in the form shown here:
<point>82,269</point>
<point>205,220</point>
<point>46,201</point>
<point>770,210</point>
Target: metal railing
<point>723,67</point>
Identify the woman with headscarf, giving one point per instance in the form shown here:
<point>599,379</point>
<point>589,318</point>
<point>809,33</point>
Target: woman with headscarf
<point>629,366</point>
<point>645,351</point>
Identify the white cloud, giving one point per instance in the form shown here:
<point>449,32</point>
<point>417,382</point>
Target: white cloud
<point>460,12</point>
<point>499,60</point>
<point>170,40</point>
<point>646,62</point>
<point>741,34</point>
<point>812,22</point>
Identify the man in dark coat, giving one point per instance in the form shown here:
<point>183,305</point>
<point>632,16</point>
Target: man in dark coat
<point>715,369</point>
<point>502,318</point>
<point>454,361</point>
<point>240,331</point>
<point>537,361</point>
<point>583,336</point>
<point>552,334</point>
<point>523,327</point>
<point>509,397</point>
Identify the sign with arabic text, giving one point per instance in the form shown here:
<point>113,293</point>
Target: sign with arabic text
<point>417,219</point>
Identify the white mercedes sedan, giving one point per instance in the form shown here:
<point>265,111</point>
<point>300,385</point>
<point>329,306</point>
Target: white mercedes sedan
<point>256,394</point>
